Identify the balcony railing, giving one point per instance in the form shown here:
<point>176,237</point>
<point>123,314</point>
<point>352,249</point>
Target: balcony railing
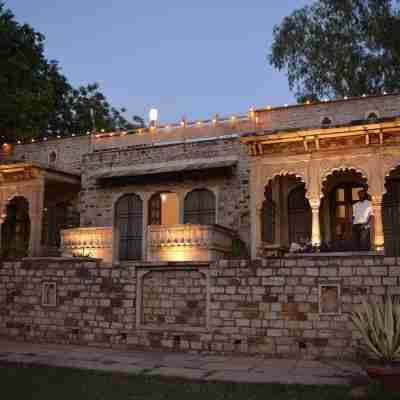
<point>188,242</point>
<point>94,242</point>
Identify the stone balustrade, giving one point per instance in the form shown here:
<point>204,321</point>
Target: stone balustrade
<point>188,242</point>
<point>96,242</point>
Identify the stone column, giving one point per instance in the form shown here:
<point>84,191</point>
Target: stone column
<point>378,239</point>
<point>315,228</point>
<point>36,200</point>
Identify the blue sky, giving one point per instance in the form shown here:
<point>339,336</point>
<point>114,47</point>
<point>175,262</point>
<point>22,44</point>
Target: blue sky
<point>186,58</point>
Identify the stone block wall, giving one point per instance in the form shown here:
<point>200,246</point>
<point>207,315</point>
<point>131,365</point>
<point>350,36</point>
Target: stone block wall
<point>277,307</point>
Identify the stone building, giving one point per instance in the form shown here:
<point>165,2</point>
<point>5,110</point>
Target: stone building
<point>184,217</point>
<point>191,191</point>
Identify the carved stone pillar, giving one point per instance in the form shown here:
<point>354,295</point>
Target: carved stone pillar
<point>36,200</point>
<point>378,240</point>
<point>315,227</point>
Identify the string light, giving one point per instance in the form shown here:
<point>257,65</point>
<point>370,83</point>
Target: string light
<point>45,139</point>
<point>73,135</point>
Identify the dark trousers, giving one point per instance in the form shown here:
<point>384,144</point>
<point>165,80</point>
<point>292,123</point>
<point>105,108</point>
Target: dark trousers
<point>361,237</point>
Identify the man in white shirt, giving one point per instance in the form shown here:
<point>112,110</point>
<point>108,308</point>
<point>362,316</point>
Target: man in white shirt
<point>362,221</point>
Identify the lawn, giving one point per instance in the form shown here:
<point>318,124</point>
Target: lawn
<point>45,383</point>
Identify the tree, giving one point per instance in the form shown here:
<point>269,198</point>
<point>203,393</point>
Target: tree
<point>337,48</point>
<point>36,99</point>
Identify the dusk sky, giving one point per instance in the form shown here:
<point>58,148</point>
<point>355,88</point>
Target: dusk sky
<point>186,58</point>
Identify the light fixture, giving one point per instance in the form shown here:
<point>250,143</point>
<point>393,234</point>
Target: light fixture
<point>163,197</point>
<point>18,142</point>
<point>286,105</point>
<point>345,97</point>
<point>73,135</point>
<point>32,140</point>
<point>45,139</point>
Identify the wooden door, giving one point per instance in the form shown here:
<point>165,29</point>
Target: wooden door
<point>155,210</point>
<point>343,198</point>
<point>129,219</point>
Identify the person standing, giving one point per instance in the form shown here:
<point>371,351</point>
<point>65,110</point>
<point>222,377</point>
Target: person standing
<point>362,222</point>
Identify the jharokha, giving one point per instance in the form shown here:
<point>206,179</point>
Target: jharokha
<point>256,234</point>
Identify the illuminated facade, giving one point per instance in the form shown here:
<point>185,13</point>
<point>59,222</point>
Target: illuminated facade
<point>201,191</point>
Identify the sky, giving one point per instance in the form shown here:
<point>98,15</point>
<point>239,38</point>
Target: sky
<point>184,57</point>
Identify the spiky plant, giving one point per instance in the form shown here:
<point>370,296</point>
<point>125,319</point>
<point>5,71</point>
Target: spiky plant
<point>379,327</point>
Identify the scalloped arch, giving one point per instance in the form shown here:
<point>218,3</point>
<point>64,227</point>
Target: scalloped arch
<point>342,168</point>
<point>284,172</point>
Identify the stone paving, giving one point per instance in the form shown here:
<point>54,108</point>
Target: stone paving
<point>184,365</point>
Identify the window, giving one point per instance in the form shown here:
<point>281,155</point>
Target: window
<point>199,207</point>
<point>372,117</point>
<point>52,158</point>
<point>268,216</point>
<point>326,122</point>
<point>49,294</point>
<point>129,225</point>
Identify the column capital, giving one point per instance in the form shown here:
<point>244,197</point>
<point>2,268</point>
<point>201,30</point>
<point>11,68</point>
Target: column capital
<point>315,203</point>
<point>377,199</point>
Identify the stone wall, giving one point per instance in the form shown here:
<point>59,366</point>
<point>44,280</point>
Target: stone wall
<point>277,307</point>
<point>232,192</point>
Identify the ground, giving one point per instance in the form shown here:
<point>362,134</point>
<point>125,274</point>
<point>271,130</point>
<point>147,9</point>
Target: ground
<point>22,381</point>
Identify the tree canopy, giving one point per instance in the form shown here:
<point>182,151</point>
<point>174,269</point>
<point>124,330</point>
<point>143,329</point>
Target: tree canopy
<point>36,99</point>
<point>338,48</point>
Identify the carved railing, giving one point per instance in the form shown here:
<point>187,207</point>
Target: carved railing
<point>94,242</point>
<point>213,239</point>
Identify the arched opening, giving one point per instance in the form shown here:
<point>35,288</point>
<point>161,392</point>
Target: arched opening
<point>341,192</point>
<point>286,214</point>
<point>391,214</point>
<point>200,207</point>
<point>326,122</point>
<point>129,227</point>
<point>163,209</point>
<point>15,231</point>
<point>300,216</point>
<point>52,158</point>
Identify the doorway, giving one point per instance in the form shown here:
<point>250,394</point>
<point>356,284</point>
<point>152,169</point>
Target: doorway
<point>15,231</point>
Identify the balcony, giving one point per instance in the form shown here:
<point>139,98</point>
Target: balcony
<point>188,242</point>
<point>94,242</point>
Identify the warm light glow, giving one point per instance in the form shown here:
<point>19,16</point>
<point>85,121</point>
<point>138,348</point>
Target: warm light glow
<point>32,140</point>
<point>308,102</point>
<point>19,142</point>
<point>45,139</point>
<point>269,107</point>
<point>73,134</point>
<point>163,197</point>
<point>58,137</point>
<point>345,97</point>
<point>88,133</point>
<point>153,115</point>
<point>102,131</point>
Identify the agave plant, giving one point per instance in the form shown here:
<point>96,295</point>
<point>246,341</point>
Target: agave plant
<point>379,327</point>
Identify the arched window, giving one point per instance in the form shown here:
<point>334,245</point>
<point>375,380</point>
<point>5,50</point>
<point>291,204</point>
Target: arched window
<point>199,207</point>
<point>129,226</point>
<point>326,122</point>
<point>268,215</point>
<point>372,116</point>
<point>52,158</point>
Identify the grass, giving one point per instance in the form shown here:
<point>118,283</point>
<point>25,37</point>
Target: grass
<point>29,382</point>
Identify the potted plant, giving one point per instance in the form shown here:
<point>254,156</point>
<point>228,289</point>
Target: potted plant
<point>379,327</point>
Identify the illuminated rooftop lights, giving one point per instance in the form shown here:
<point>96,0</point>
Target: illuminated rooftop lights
<point>286,105</point>
<point>45,139</point>
<point>19,142</point>
<point>364,95</point>
<point>345,97</point>
<point>88,133</point>
<point>73,135</point>
<point>58,137</point>
<point>32,140</point>
<point>269,107</point>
